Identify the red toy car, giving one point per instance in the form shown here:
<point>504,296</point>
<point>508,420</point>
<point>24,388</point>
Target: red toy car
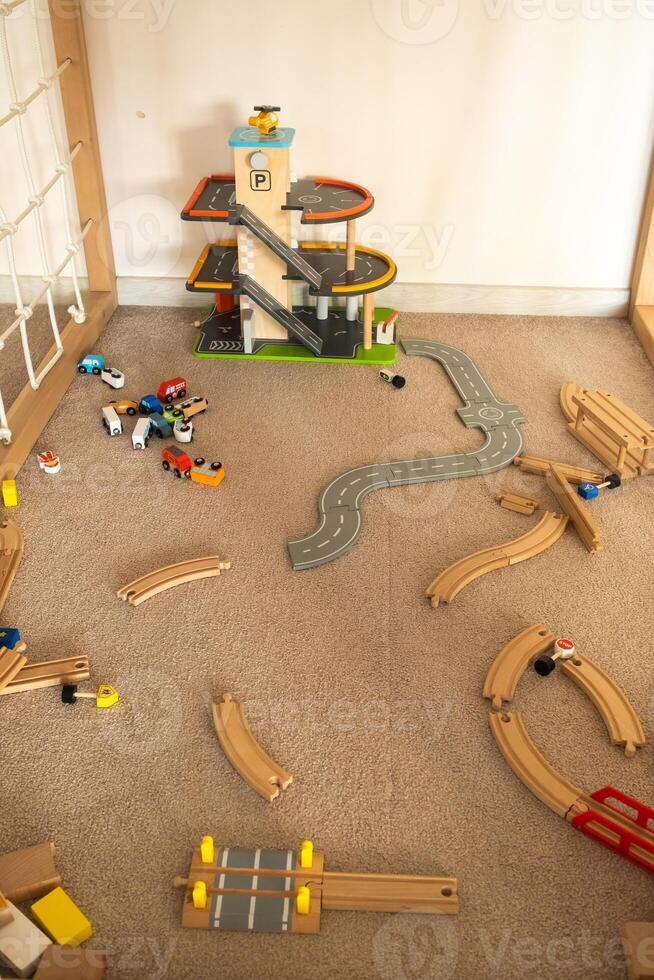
<point>177,460</point>
<point>169,390</point>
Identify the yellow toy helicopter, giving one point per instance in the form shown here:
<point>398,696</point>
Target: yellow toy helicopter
<point>267,120</point>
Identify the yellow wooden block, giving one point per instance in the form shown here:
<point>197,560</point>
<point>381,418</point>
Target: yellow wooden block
<point>9,493</point>
<point>57,913</point>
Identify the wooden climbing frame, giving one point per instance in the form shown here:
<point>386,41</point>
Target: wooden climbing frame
<point>641,307</point>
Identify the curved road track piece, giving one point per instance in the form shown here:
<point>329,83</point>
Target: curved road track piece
<point>509,665</point>
<point>11,555</point>
<point>245,754</point>
<point>621,720</point>
<point>167,578</point>
<point>530,766</point>
<point>449,583</point>
<point>340,502</point>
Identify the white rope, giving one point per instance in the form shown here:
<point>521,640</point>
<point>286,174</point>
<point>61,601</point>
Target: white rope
<point>25,312</point>
<point>36,201</point>
<point>20,135</point>
<point>62,160</point>
<point>9,6</point>
<point>20,108</point>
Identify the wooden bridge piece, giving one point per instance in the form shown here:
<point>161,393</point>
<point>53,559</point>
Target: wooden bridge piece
<point>610,430</point>
<point>245,754</point>
<point>572,504</point>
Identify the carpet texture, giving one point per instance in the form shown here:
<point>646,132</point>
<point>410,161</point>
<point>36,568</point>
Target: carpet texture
<point>351,681</point>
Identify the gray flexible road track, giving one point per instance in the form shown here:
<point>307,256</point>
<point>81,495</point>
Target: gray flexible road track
<point>340,501</point>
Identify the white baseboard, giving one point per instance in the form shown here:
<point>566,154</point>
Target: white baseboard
<point>408,297</point>
<point>417,298</point>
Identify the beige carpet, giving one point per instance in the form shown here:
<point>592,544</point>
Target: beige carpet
<point>370,697</point>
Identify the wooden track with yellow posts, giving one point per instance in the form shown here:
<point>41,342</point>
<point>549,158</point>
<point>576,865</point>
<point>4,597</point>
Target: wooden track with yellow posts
<point>11,555</point>
<point>166,578</point>
<point>288,890</point>
<point>449,583</point>
<point>244,752</point>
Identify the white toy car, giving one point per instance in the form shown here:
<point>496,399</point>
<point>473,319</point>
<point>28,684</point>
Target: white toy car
<point>141,433</point>
<point>183,431</point>
<point>113,378</point>
<point>111,421</point>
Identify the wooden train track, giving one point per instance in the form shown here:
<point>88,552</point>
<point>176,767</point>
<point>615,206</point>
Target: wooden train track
<point>607,816</point>
<point>166,578</point>
<point>509,666</point>
<point>529,765</point>
<point>11,555</point>
<point>11,663</point>
<point>573,474</point>
<point>244,752</point>
<point>620,718</point>
<point>51,673</point>
<point>449,583</point>
<point>287,892</point>
<point>572,504</point>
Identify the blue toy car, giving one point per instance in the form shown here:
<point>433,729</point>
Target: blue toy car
<point>9,638</point>
<point>161,427</point>
<point>91,364</point>
<point>150,405</point>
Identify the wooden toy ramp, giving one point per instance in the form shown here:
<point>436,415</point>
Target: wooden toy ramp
<point>11,663</point>
<point>609,429</point>
<point>166,578</point>
<point>607,816</point>
<point>11,555</point>
<point>264,890</point>
<point>245,754</point>
<point>449,583</point>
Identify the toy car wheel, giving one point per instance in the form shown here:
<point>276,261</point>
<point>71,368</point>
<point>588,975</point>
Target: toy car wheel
<point>96,370</point>
<point>178,474</point>
<point>81,369</point>
<point>131,411</point>
<point>145,443</point>
<point>187,474</point>
<point>200,461</point>
<point>166,465</point>
<point>104,422</point>
<point>216,466</point>
<point>182,394</point>
<point>178,414</point>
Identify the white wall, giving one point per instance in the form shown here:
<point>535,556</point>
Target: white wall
<point>507,142</point>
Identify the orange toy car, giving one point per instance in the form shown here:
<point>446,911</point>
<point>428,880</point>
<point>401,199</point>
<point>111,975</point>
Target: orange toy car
<point>210,474</point>
<point>125,407</point>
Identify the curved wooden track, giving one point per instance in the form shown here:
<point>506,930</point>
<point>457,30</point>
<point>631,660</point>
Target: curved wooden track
<point>163,579</point>
<point>530,766</point>
<point>244,752</point>
<point>11,555</point>
<point>509,666</point>
<point>449,583</point>
<point>620,718</point>
<point>568,392</point>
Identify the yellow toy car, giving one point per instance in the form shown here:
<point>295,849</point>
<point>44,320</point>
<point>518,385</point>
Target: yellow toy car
<point>267,121</point>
